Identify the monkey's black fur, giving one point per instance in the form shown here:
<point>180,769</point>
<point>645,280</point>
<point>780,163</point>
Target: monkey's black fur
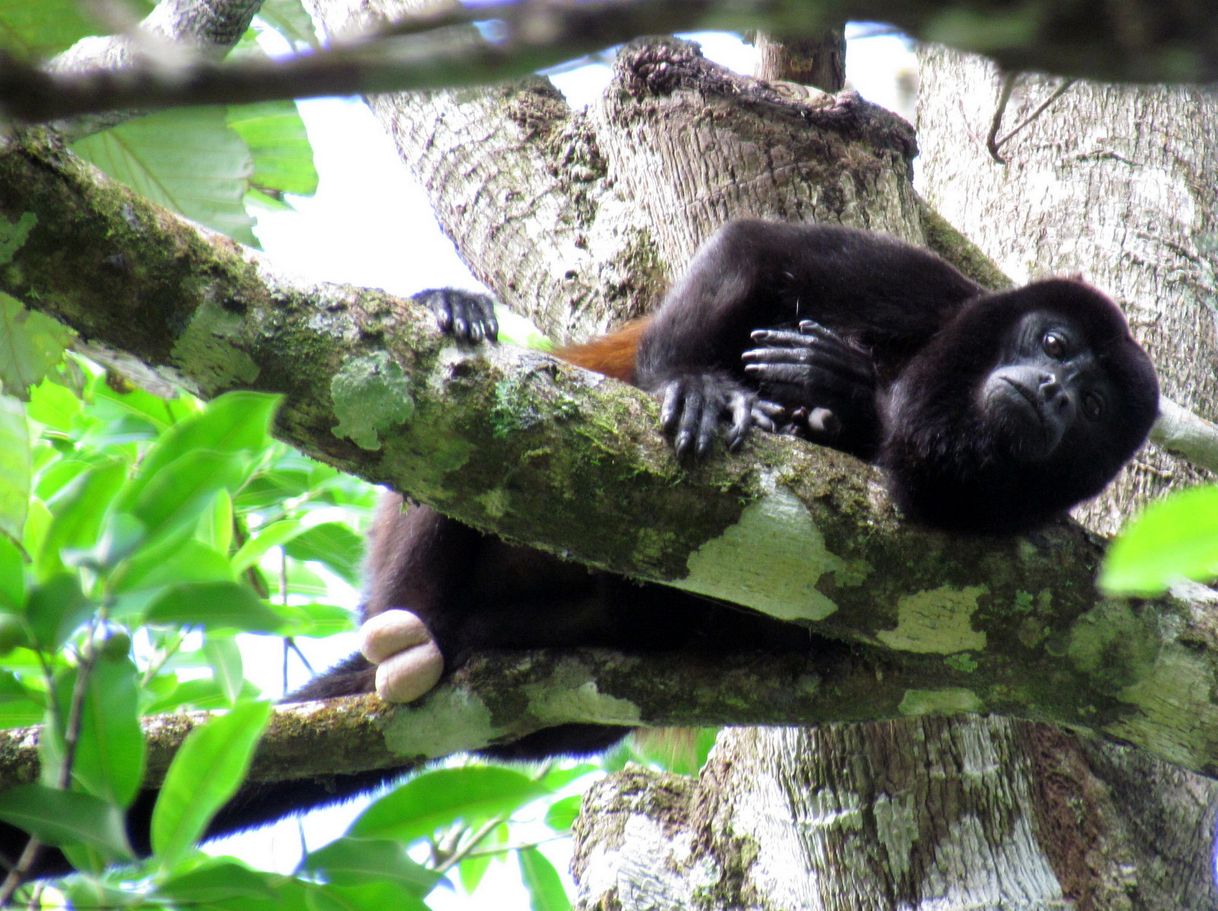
<point>990,413</point>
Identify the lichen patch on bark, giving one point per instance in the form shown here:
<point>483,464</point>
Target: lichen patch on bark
<point>371,397</point>
<point>775,538</point>
<point>946,701</point>
<point>449,721</point>
<point>938,622</point>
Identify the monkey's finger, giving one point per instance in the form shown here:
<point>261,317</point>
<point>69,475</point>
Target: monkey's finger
<point>740,404</point>
<point>778,356</point>
<point>687,438</point>
<point>812,327</point>
<point>708,426</point>
<point>795,374</point>
<point>390,632</point>
<point>812,379</point>
<point>843,361</point>
<point>763,420</point>
<point>670,408</point>
<point>766,414</point>
<point>409,674</point>
<point>478,312</point>
<point>437,301</point>
<point>779,337</point>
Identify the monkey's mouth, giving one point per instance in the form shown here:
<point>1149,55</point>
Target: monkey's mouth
<point>1032,435</point>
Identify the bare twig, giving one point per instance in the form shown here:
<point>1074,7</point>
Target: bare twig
<point>431,50</point>
<point>1008,83</point>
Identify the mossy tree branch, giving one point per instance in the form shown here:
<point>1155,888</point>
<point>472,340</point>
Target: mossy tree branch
<point>515,443</point>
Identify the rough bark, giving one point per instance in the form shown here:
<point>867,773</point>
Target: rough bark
<point>921,814</point>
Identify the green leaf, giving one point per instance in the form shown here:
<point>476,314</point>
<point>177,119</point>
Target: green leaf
<point>91,892</point>
<point>12,575</point>
<point>214,605</point>
<point>30,343</point>
<point>520,332</point>
<point>16,467</point>
<point>54,405</point>
<point>563,813</point>
<point>187,160</point>
<point>218,881</point>
<point>176,497</point>
<point>314,619</point>
<point>109,757</point>
<point>225,659</point>
<point>351,861</point>
<point>21,713</point>
<point>135,414</point>
<point>1173,539</point>
<point>273,535</point>
<point>289,18</point>
<point>474,866</point>
<point>173,563</point>
<point>11,688</point>
<point>66,818</point>
<point>45,27</point>
<point>55,609</point>
<point>367,896</point>
<point>78,511</point>
<point>444,796</point>
<point>197,694</point>
<point>546,892</point>
<point>205,773</point>
<point>276,138</point>
<point>234,422</point>
<point>334,545</point>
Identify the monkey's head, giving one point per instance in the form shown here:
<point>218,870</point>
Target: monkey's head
<point>1026,403</point>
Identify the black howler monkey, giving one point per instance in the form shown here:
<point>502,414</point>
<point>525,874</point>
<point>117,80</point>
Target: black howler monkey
<point>988,412</point>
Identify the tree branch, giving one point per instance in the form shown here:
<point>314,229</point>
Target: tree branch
<point>515,443</point>
<point>1170,43</point>
<point>176,34</point>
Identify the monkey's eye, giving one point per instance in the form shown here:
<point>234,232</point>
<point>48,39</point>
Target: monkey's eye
<point>1054,345</point>
<point>1093,405</point>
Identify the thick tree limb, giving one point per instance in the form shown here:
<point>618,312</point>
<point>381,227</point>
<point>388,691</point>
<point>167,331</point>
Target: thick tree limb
<point>515,443</point>
<point>1134,41</point>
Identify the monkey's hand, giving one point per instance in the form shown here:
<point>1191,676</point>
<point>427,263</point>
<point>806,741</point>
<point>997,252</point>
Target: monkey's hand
<point>693,405</point>
<point>408,662</point>
<point>465,315</point>
<point>815,384</point>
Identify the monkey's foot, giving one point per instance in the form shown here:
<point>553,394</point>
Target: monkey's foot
<point>408,663</point>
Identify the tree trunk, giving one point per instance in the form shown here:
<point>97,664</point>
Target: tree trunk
<point>1117,184</point>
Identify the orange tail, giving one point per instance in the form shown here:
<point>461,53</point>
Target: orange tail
<point>612,354</point>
